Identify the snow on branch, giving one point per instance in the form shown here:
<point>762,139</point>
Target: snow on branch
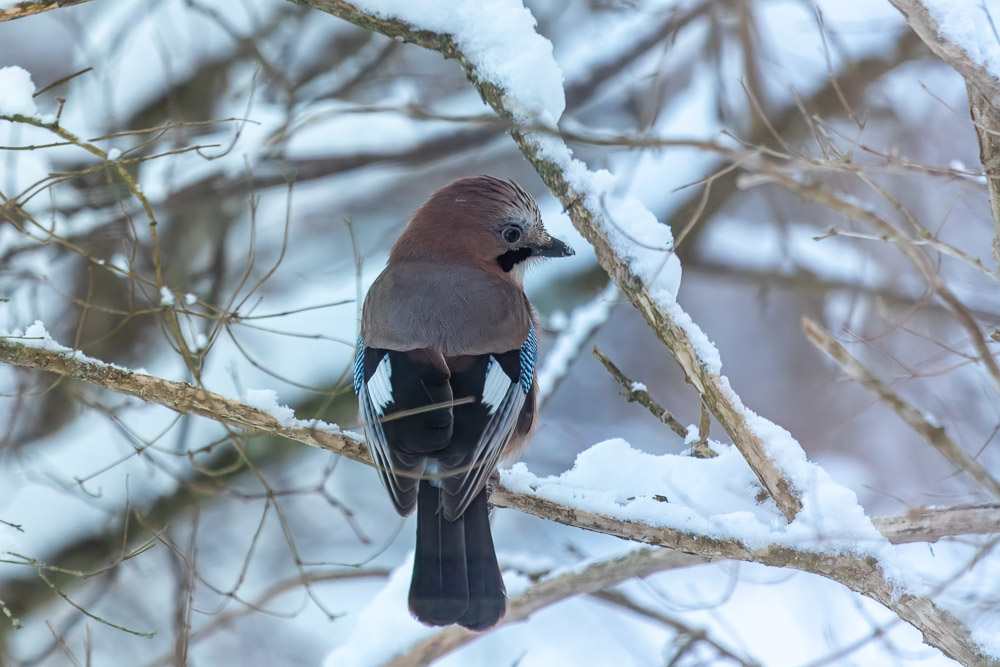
<point>34,349</point>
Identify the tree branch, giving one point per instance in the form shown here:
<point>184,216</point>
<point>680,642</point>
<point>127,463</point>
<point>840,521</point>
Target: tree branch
<point>30,7</point>
<point>984,96</point>
<point>934,434</point>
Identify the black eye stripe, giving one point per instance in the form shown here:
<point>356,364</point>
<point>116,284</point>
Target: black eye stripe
<point>512,258</point>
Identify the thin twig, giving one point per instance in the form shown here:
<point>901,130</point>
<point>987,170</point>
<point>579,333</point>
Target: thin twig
<point>636,392</point>
<point>934,434</point>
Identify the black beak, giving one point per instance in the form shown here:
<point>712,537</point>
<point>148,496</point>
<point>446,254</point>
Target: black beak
<point>555,248</point>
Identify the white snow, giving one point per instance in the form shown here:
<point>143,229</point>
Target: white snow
<point>972,25</point>
<point>635,233</point>
<point>499,39</point>
<point>266,400</point>
<point>614,479</point>
<point>385,628</point>
<point>166,296</point>
<point>114,154</point>
<point>16,89</point>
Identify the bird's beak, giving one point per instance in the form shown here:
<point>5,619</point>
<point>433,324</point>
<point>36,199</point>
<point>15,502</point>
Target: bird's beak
<point>553,247</point>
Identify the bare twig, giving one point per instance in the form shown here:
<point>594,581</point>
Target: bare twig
<point>636,393</point>
<point>923,264</point>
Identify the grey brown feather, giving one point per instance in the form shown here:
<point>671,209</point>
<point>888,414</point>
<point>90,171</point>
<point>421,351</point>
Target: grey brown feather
<point>453,309</point>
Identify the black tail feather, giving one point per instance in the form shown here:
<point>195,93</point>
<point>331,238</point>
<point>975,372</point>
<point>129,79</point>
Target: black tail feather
<point>487,599</point>
<point>456,578</point>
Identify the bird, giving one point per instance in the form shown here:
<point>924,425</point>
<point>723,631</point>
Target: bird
<point>445,378</point>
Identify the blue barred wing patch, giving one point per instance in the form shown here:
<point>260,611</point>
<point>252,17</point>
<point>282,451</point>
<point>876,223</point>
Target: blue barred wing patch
<point>529,354</point>
<point>359,366</point>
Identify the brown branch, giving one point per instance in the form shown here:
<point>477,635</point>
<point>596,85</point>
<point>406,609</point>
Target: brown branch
<point>178,396</point>
<point>934,434</point>
<point>634,394</point>
<point>914,526</point>
<point>30,7</point>
<point>930,525</point>
<point>595,577</point>
<point>984,95</point>
<point>916,256</point>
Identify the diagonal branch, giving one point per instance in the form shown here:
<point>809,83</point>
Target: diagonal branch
<point>934,434</point>
<point>31,7</point>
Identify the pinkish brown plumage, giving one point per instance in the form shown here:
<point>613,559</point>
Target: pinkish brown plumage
<point>445,380</point>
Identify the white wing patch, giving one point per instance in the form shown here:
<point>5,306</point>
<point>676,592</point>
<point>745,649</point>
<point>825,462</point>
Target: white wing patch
<point>379,386</point>
<point>495,387</point>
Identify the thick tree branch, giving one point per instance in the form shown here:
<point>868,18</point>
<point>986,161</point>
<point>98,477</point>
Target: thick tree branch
<point>920,525</point>
<point>30,7</point>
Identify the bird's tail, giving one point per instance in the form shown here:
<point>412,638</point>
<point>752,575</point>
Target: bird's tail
<point>456,578</point>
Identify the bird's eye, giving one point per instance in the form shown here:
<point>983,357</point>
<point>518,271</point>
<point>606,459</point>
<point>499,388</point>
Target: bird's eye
<point>511,234</point>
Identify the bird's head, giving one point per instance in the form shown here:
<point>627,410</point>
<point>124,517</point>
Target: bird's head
<point>482,221</point>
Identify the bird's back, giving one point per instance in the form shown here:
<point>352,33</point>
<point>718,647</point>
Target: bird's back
<point>454,309</point>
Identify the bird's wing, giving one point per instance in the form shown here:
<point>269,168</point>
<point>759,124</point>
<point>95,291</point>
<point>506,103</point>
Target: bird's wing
<point>503,398</point>
<point>391,385</point>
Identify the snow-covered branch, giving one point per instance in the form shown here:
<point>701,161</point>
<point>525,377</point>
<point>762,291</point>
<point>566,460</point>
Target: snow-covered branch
<point>928,525</point>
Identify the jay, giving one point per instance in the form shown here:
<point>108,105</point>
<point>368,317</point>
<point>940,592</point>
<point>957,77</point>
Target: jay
<point>445,383</point>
